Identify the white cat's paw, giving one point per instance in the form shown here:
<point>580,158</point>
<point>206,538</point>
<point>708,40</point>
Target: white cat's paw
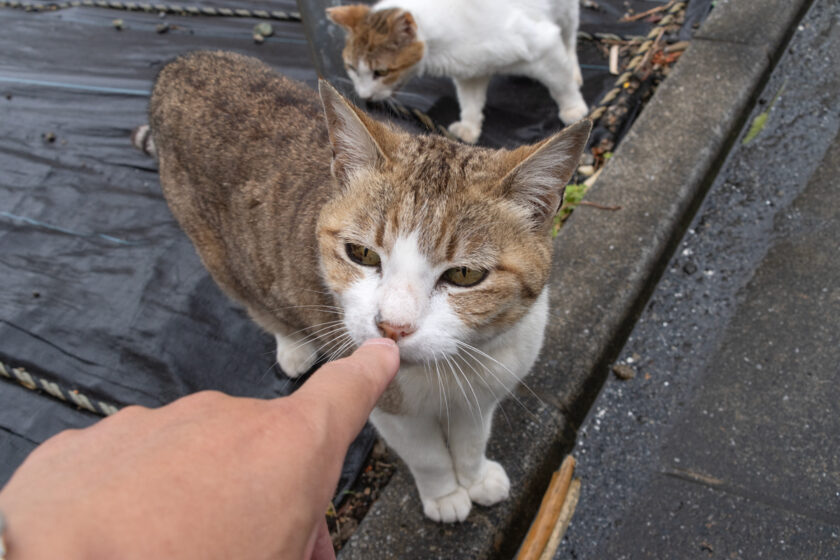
<point>492,487</point>
<point>295,358</point>
<point>450,508</point>
<point>468,132</point>
<point>573,113</point>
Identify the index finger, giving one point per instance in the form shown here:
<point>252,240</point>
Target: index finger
<point>349,388</point>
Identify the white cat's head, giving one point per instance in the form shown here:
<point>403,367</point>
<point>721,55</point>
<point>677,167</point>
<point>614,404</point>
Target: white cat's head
<point>431,242</point>
<point>382,49</point>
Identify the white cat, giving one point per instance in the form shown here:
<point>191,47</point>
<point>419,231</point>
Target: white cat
<point>469,41</point>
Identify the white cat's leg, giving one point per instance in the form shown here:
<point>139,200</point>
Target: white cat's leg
<point>576,73</point>
<point>472,93</point>
<point>569,29</point>
<point>295,355</point>
<point>485,480</point>
<point>556,71</point>
<point>418,440</point>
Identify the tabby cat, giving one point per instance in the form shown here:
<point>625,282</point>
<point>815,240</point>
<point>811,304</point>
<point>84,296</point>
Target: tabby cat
<point>331,228</point>
<point>469,41</point>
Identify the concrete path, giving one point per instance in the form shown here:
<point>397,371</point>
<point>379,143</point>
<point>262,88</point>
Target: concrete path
<point>726,443</point>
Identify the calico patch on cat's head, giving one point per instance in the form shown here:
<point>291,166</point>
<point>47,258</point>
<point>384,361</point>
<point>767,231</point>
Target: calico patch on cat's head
<point>432,242</point>
<point>382,48</point>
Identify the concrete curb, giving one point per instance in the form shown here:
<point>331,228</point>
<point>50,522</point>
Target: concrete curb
<point>605,266</point>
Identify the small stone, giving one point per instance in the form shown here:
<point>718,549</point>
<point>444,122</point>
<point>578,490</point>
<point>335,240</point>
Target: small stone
<point>690,268</point>
<point>586,170</point>
<point>162,27</point>
<point>636,357</point>
<point>49,137</point>
<point>623,371</point>
<point>118,24</point>
<point>264,28</point>
<point>258,39</point>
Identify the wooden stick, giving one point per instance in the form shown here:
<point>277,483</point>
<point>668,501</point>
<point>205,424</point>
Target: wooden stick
<point>563,521</point>
<point>550,508</point>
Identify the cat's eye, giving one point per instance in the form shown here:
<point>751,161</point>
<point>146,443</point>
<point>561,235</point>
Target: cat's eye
<point>464,277</point>
<point>380,73</point>
<point>362,255</point>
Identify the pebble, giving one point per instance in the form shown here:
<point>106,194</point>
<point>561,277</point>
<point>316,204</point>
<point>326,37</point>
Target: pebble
<point>586,170</point>
<point>264,28</point>
<point>623,371</point>
<point>49,137</point>
<point>162,27</point>
<point>118,24</point>
<point>258,38</point>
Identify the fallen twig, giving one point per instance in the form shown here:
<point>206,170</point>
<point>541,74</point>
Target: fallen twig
<point>550,509</point>
<point>641,15</point>
<point>598,206</point>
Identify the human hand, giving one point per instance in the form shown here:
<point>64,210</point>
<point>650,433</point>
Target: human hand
<point>208,476</point>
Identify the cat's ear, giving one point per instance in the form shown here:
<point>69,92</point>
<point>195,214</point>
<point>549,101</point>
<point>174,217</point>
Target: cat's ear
<point>403,28</point>
<point>540,171</point>
<point>348,17</point>
<point>358,142</point>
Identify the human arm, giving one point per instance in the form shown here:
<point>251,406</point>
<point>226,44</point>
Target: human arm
<point>208,476</point>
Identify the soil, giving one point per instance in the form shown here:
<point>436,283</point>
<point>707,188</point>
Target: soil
<point>376,473</point>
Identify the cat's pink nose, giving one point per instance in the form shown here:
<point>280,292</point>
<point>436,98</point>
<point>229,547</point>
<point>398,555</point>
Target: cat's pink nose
<point>394,332</point>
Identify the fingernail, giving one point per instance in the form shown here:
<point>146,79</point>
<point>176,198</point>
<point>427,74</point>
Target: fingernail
<point>379,342</point>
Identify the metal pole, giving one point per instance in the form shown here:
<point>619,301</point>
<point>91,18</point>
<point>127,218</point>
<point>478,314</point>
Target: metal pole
<point>326,40</point>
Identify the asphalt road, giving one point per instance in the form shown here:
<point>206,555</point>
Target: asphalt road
<point>725,443</point>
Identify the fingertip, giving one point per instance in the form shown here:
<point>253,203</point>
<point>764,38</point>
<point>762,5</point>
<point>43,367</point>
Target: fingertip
<point>385,351</point>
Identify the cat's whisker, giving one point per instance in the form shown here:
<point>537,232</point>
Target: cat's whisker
<point>325,308</point>
<point>443,393</point>
<point>326,349</point>
<point>501,383</point>
<point>489,388</point>
<point>519,380</point>
<point>325,323</point>
<point>460,386</point>
<point>348,343</point>
<point>322,292</point>
<point>472,390</point>
<point>331,329</point>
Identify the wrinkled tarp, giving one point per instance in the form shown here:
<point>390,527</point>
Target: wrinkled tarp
<point>102,292</point>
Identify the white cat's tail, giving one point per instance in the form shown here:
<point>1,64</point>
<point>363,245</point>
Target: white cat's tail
<point>141,138</point>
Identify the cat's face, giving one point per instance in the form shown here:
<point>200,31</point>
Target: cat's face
<point>435,243</point>
<point>382,49</point>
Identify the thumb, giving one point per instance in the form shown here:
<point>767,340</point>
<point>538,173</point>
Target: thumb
<point>348,389</point>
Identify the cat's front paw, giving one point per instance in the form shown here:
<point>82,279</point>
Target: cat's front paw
<point>468,132</point>
<point>450,508</point>
<point>295,358</point>
<point>492,487</point>
<point>573,113</point>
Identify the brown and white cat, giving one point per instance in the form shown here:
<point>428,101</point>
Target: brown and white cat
<point>334,230</point>
<point>469,41</point>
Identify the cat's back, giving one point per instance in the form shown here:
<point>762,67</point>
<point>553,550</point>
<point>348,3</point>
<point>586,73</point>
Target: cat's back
<point>244,162</point>
<point>228,117</point>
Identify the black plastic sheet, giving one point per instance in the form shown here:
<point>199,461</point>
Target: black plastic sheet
<point>101,291</point>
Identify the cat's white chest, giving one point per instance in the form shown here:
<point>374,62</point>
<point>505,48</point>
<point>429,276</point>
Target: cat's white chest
<point>480,375</point>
